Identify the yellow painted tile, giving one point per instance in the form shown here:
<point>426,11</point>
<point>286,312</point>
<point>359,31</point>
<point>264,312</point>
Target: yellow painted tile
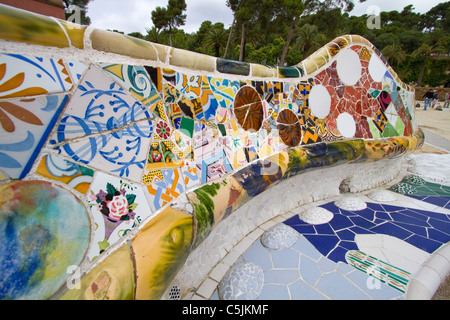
<point>23,26</point>
<point>160,250</point>
<point>323,52</point>
<point>121,44</point>
<point>75,33</point>
<point>309,66</point>
<point>112,279</point>
<point>192,60</point>
<point>259,70</point>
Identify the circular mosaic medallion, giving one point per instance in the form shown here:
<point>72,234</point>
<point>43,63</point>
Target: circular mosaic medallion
<point>242,282</point>
<point>289,128</point>
<point>351,203</point>
<point>248,109</point>
<point>279,237</point>
<point>44,231</point>
<point>316,215</point>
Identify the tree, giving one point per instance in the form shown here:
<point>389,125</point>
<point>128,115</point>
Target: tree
<point>295,9</point>
<point>234,6</point>
<point>153,35</point>
<point>82,5</point>
<point>216,37</point>
<point>309,39</point>
<point>136,35</point>
<point>394,53</point>
<point>246,12</point>
<point>170,17</point>
<point>438,17</point>
<point>434,45</point>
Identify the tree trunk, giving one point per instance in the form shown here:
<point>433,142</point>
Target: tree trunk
<point>241,52</point>
<point>217,50</point>
<point>422,71</point>
<point>288,40</point>
<point>229,39</point>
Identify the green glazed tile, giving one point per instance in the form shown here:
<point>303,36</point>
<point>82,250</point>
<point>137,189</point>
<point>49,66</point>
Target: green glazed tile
<point>288,72</point>
<point>233,67</point>
<point>187,126</point>
<point>389,131</point>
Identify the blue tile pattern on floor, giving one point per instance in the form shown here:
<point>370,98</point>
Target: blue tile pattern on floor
<point>440,201</point>
<point>424,229</point>
<point>301,272</point>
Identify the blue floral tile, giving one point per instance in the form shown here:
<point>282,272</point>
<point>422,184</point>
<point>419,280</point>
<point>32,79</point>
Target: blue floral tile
<point>77,70</point>
<point>106,128</point>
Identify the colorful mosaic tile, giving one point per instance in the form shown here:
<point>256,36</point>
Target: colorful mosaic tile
<point>163,186</point>
<point>380,270</point>
<point>24,76</point>
<point>117,206</point>
<point>416,187</point>
<point>106,121</point>
<point>68,172</point>
<point>25,126</point>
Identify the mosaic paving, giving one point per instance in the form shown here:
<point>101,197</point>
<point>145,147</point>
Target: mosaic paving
<point>303,273</point>
<point>326,261</point>
<point>158,157</point>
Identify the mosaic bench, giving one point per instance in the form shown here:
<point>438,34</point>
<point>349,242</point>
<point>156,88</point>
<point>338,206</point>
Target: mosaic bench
<point>119,156</point>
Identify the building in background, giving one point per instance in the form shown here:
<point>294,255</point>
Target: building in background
<point>53,8</point>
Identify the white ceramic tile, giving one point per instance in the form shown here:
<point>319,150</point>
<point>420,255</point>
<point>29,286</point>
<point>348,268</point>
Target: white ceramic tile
<point>440,265</point>
<point>429,278</point>
<point>377,69</point>
<point>401,248</point>
<point>207,288</point>
<point>319,101</point>
<point>401,262</point>
<point>346,125</point>
<point>219,271</point>
<point>349,67</point>
<point>368,241</point>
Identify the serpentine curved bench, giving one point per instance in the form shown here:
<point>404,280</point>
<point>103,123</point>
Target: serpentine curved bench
<point>119,156</point>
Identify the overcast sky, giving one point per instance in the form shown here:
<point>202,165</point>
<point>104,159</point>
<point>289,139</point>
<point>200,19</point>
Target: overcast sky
<point>135,15</point>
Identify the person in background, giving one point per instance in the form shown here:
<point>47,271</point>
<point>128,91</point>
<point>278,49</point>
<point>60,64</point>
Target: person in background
<point>428,96</point>
<point>435,98</point>
<point>447,100</point>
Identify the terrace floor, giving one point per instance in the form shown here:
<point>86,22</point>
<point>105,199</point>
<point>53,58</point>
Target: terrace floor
<point>390,244</point>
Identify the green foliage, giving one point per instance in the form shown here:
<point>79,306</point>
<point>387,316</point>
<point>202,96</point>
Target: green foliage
<point>271,32</point>
<point>169,17</point>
